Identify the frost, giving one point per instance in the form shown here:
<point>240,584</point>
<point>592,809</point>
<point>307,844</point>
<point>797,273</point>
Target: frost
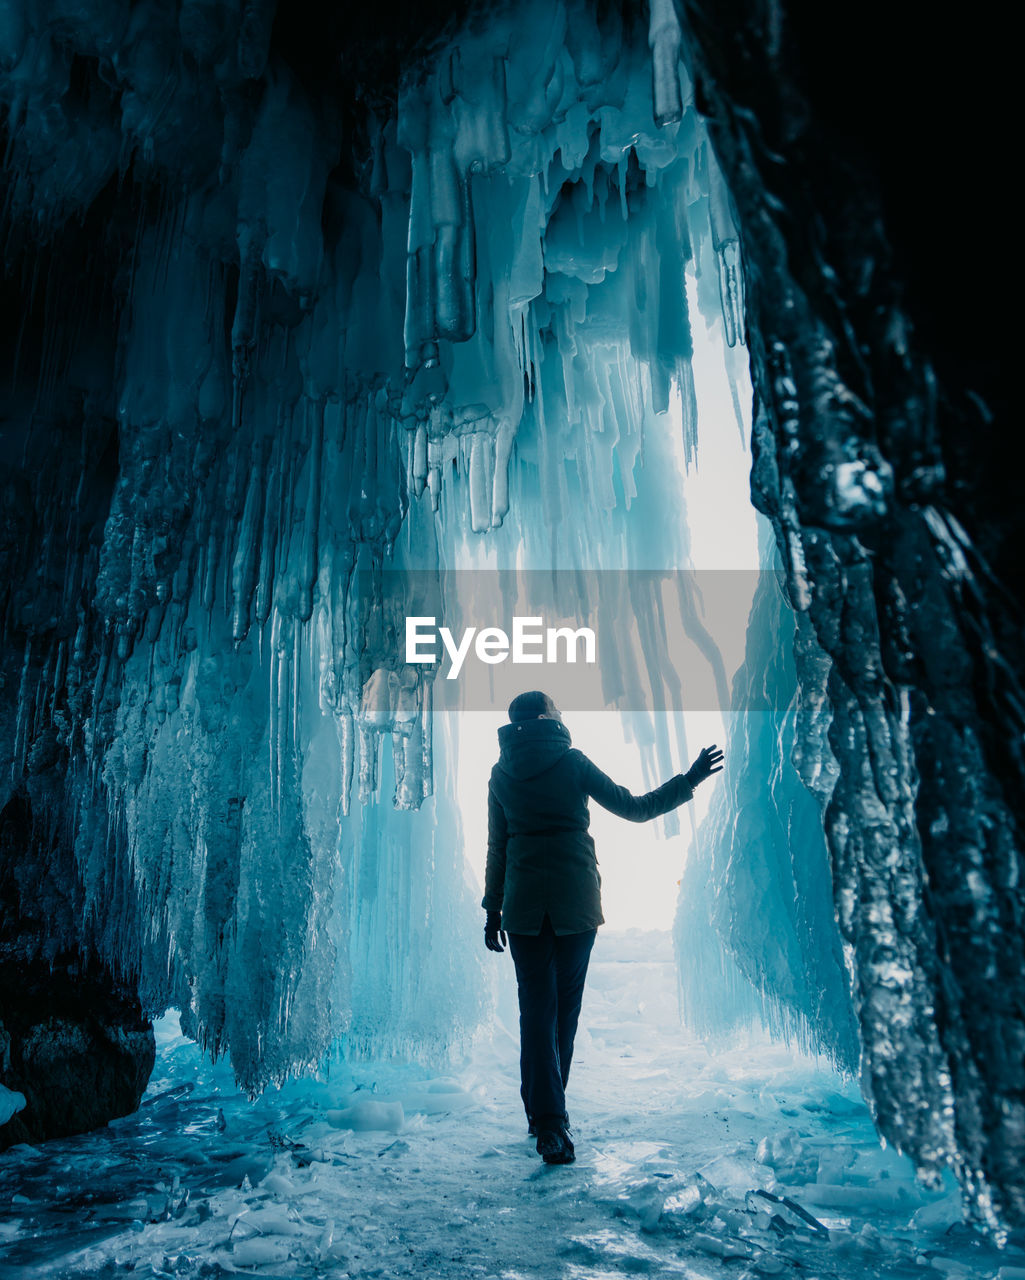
<point>683,1158</point>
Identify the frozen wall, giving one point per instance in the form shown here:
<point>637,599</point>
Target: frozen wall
<point>301,343</point>
<point>878,449</point>
<point>755,927</point>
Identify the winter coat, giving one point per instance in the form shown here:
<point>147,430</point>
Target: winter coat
<point>540,856</point>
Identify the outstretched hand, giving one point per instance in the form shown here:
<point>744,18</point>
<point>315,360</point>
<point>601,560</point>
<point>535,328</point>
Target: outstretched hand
<point>707,763</point>
<point>492,933</point>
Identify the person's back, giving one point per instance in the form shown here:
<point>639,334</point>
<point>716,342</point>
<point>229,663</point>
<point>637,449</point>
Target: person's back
<point>542,888</point>
<point>537,801</point>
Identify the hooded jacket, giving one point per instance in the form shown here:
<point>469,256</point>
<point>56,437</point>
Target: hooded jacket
<point>541,856</point>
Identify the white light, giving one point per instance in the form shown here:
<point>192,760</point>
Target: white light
<point>640,866</point>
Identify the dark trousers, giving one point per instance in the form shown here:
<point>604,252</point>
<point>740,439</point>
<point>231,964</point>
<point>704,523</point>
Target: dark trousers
<point>550,973</point>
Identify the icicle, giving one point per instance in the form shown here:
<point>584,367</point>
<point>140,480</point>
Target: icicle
<point>244,565</point>
<point>622,169</point>
<point>689,405</point>
<point>296,666</point>
<point>664,40</point>
<point>343,724</point>
<point>369,750</point>
<point>497,117</point>
<point>272,512</point>
<point>375,702</point>
<point>243,329</point>
<point>505,435</point>
<point>311,515</point>
<point>738,411</point>
<point>427,737</point>
<point>419,467</point>
<point>282,710</point>
<point>434,460</point>
<point>405,784</point>
<point>481,481</point>
<point>273,731</point>
<point>211,563</point>
<point>159,697</point>
<point>21,725</point>
<point>414,126</point>
<point>452,236</point>
<point>731,286</point>
<point>727,248</point>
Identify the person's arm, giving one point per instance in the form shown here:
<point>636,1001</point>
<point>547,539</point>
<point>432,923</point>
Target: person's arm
<point>494,873</point>
<point>624,804</point>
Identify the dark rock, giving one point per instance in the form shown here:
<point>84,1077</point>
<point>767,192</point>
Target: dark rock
<point>73,1039</point>
<point>77,1070</point>
<point>880,454</point>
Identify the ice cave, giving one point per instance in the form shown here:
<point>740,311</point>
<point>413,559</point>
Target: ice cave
<point>666,330</point>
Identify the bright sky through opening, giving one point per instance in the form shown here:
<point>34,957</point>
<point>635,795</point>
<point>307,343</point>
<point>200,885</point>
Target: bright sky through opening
<point>640,868</point>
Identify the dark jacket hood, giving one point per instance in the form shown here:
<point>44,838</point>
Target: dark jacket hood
<point>532,746</point>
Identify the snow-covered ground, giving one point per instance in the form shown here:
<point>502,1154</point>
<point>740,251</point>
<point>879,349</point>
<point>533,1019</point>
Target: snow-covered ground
<point>676,1144</point>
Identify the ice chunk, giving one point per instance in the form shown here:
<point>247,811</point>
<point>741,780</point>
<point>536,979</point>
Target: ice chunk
<point>940,1214</point>
<point>366,1115</point>
<point>258,1252</point>
<point>281,1187</point>
<point>721,1247</point>
<point>787,1215</point>
<point>436,1097</point>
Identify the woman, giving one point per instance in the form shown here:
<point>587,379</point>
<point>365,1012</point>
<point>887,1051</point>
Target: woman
<point>542,890</point>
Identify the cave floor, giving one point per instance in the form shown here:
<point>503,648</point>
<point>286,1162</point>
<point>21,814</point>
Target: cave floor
<point>673,1143</point>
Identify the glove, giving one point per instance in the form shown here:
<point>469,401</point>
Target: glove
<point>707,763</point>
<point>493,931</point>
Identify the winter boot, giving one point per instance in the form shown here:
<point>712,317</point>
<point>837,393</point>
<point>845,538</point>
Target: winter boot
<point>554,1145</point>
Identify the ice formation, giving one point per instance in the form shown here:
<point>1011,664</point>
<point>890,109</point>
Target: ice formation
<point>282,331</point>
<point>755,927</point>
<point>292,365</point>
